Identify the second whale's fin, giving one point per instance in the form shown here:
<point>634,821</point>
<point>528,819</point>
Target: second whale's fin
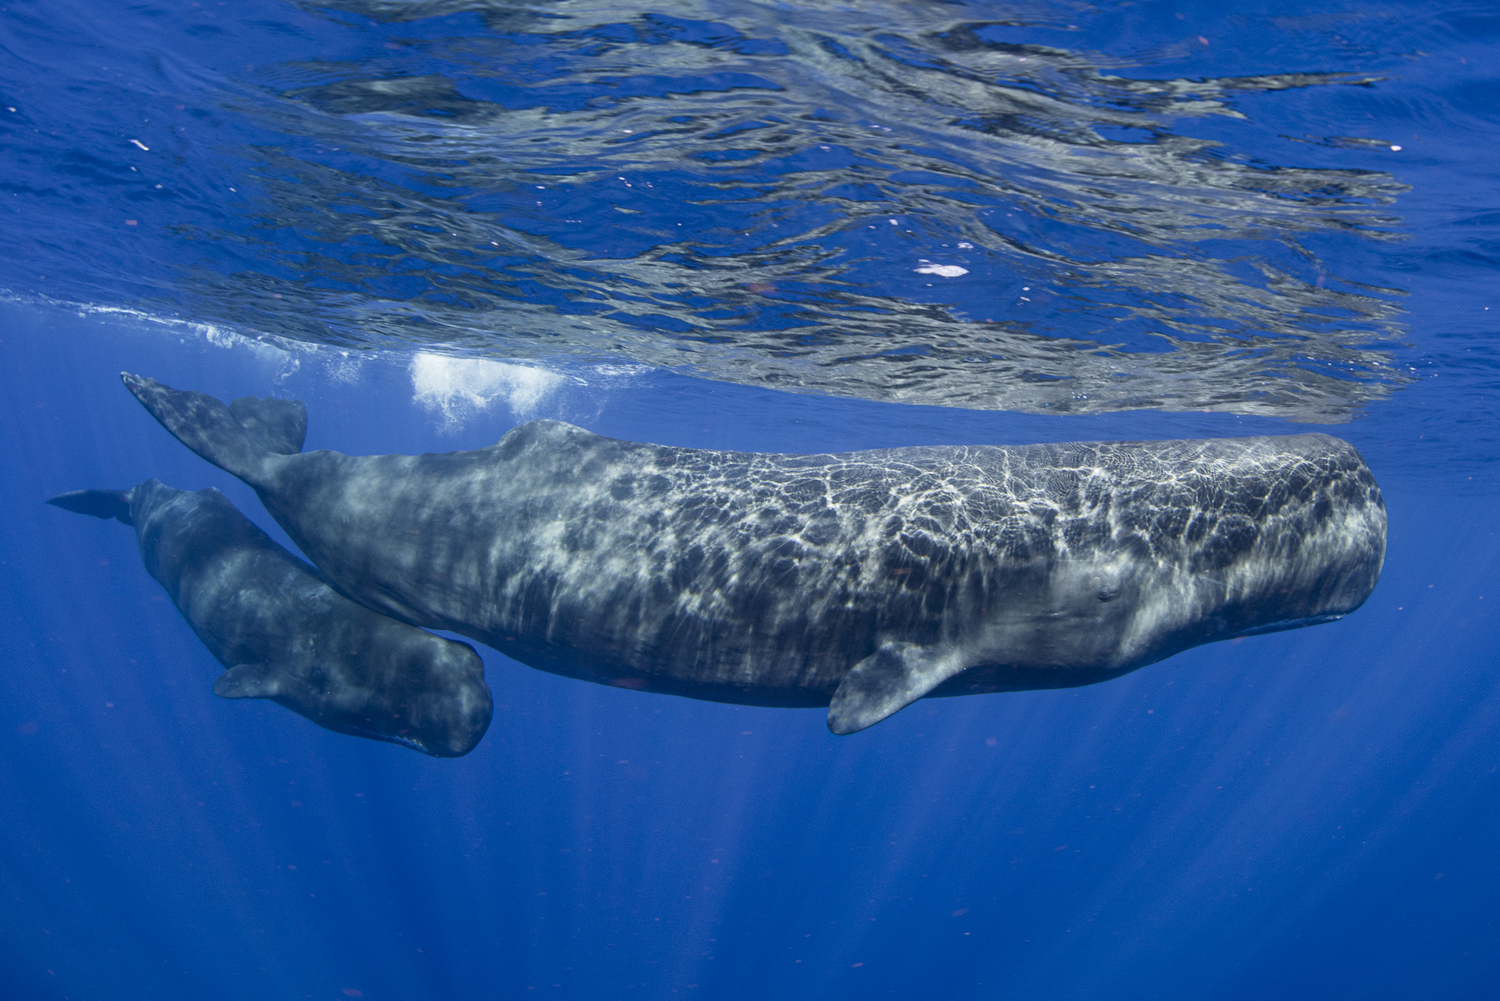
<point>888,680</point>
<point>238,438</point>
<point>247,681</point>
<point>99,503</point>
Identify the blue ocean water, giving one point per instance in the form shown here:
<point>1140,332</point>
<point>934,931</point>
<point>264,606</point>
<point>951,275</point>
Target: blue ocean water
<point>773,227</point>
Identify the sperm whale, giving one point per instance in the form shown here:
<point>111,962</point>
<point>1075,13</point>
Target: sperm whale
<point>284,634</point>
<point>861,581</point>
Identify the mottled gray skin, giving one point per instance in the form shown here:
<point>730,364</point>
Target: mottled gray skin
<point>861,581</point>
<point>285,635</point>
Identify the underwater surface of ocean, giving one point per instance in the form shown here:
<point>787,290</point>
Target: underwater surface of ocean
<point>773,227</point>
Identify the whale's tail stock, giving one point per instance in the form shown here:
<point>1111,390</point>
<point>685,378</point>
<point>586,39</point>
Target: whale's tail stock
<point>238,438</point>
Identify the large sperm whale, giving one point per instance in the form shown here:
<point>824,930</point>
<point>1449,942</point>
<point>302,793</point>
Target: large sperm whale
<point>285,635</point>
<point>861,581</point>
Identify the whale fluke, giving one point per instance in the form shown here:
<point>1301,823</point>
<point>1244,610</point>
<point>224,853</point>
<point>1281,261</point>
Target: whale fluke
<point>279,425</point>
<point>99,503</point>
<point>237,438</point>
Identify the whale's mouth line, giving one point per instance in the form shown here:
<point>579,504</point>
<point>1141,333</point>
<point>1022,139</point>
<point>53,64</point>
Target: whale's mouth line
<point>1284,624</point>
<point>415,745</point>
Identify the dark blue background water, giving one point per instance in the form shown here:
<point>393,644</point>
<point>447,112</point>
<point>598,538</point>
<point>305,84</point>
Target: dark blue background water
<point>1306,814</point>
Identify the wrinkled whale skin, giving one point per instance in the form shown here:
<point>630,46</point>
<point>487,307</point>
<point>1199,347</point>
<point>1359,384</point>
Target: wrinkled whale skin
<point>864,579</point>
<point>284,634</point>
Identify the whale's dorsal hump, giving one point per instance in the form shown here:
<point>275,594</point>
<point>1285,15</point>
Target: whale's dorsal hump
<point>888,680</point>
<point>545,434</point>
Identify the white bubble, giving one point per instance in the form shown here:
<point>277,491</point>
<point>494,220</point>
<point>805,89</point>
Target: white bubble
<point>280,356</point>
<point>459,388</point>
<point>943,270</point>
<point>346,367</point>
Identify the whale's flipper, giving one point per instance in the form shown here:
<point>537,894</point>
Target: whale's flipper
<point>237,438</point>
<point>99,503</point>
<point>247,681</point>
<point>888,680</point>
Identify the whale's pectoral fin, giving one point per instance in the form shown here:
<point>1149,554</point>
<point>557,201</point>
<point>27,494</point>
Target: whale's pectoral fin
<point>99,503</point>
<point>888,680</point>
<point>248,681</point>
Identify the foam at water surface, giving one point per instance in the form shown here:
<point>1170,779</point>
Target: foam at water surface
<point>459,387</point>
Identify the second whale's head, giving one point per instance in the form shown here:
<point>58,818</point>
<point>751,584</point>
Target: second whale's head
<point>399,684</point>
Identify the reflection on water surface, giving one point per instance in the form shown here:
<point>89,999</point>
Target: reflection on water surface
<point>914,202</point>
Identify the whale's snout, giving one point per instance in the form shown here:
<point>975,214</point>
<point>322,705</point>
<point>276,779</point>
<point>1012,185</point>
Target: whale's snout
<point>459,706</point>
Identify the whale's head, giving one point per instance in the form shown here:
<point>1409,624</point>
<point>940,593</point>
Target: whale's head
<point>1244,536</point>
<point>1289,532</point>
<point>384,681</point>
<point>452,712</point>
<point>421,691</point>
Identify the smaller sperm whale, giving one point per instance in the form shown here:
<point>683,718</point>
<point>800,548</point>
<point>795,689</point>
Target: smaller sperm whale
<point>284,634</point>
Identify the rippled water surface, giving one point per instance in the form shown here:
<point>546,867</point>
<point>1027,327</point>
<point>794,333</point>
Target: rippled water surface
<point>1067,207</point>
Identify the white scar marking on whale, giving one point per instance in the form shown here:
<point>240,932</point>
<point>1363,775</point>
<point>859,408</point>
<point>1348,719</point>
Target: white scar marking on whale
<point>459,388</point>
